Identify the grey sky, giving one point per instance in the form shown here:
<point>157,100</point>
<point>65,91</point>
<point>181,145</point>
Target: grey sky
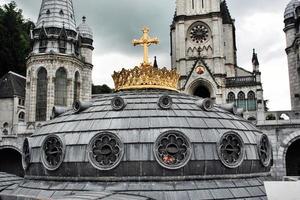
<point>115,23</point>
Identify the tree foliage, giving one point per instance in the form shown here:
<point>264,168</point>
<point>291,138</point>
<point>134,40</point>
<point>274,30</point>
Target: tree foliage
<point>101,89</point>
<point>14,39</point>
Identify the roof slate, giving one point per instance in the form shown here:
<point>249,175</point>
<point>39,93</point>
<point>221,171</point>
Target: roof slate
<point>12,84</point>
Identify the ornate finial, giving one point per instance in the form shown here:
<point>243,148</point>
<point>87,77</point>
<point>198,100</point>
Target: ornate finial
<point>84,19</point>
<point>145,41</point>
<point>146,76</point>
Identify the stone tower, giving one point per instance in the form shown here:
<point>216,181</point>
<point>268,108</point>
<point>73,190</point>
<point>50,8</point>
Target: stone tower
<point>292,25</point>
<point>203,50</point>
<point>203,28</point>
<point>59,68</point>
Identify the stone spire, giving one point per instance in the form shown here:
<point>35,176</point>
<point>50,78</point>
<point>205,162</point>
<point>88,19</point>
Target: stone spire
<point>57,13</point>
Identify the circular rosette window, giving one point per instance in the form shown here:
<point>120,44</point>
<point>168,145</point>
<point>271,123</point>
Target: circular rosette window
<point>105,151</point>
<point>53,151</point>
<point>26,154</point>
<point>231,150</point>
<point>199,32</point>
<point>172,150</point>
<point>265,151</point>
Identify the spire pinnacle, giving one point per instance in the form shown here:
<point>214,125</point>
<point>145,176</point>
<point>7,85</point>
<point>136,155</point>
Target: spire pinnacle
<point>57,14</point>
<point>255,59</point>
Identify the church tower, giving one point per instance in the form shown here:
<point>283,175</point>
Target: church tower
<point>203,29</point>
<point>292,25</point>
<point>59,68</point>
<point>203,51</point>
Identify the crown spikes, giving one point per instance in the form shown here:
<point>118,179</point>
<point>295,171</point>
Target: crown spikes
<point>146,78</point>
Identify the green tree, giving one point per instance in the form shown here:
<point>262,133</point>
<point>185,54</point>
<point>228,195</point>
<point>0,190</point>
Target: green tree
<point>101,89</point>
<point>14,39</point>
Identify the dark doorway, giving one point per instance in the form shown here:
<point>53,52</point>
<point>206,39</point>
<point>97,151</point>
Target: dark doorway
<point>293,159</point>
<point>202,91</point>
<point>11,162</point>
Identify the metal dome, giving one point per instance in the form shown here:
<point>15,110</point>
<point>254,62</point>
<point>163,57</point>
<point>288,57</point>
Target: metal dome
<point>155,143</point>
<point>84,29</point>
<point>290,9</point>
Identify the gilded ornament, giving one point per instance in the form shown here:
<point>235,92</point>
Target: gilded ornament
<point>146,76</point>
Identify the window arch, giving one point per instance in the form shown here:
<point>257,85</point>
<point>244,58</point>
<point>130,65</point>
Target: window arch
<point>5,125</point>
<point>21,116</point>
<point>76,86</point>
<point>43,42</point>
<point>231,97</point>
<point>5,128</point>
<point>41,95</point>
<point>62,42</point>
<point>61,83</point>
<point>241,101</point>
<point>251,101</point>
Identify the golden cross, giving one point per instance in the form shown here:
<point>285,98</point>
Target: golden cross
<point>145,41</point>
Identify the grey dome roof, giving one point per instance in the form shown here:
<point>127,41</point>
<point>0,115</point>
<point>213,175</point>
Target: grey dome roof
<point>290,9</point>
<point>138,126</point>
<point>85,30</point>
<point>130,141</point>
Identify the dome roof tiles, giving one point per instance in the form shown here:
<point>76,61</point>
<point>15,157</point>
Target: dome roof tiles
<point>138,126</point>
<point>290,9</point>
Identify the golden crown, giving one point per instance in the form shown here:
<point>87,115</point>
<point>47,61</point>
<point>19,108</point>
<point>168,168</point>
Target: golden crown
<point>146,76</point>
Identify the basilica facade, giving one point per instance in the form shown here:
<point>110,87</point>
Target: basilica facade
<point>203,50</point>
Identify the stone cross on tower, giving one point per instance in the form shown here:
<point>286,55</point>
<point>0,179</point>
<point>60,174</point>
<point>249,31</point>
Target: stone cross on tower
<point>145,41</point>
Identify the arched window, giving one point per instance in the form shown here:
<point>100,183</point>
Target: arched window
<point>5,128</point>
<point>5,125</point>
<point>241,101</point>
<point>41,95</point>
<point>62,41</point>
<point>76,86</point>
<point>231,97</point>
<point>251,101</point>
<point>43,41</point>
<point>21,117</point>
<point>61,87</point>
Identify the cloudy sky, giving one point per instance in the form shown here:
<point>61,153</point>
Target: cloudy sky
<point>115,23</point>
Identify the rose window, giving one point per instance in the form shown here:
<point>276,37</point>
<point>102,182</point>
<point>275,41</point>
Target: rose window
<point>172,150</point>
<point>26,154</point>
<point>265,151</point>
<point>53,152</point>
<point>231,150</point>
<point>105,151</point>
<point>199,33</point>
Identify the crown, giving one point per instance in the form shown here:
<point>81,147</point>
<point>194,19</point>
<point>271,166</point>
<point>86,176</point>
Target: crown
<point>146,76</point>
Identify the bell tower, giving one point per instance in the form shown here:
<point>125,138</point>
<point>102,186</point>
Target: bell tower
<point>291,29</point>
<point>59,68</point>
<point>203,29</point>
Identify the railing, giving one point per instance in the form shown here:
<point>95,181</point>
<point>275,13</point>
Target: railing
<point>240,81</point>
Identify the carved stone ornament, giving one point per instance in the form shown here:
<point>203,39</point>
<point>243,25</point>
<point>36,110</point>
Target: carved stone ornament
<point>265,151</point>
<point>53,151</point>
<point>199,33</point>
<point>172,150</point>
<point>231,150</point>
<point>105,151</point>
